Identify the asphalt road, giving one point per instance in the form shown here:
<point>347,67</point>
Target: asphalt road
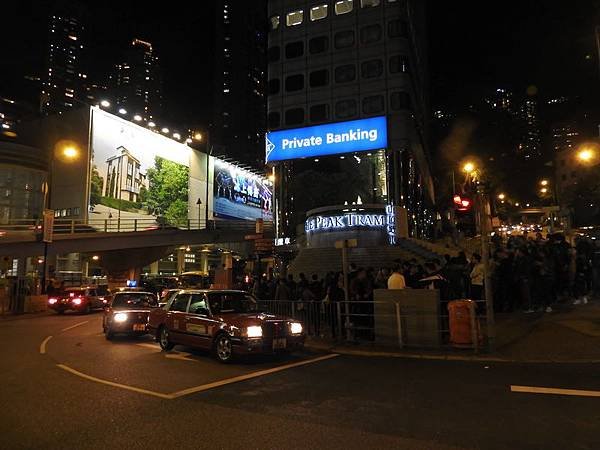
<point>76,390</point>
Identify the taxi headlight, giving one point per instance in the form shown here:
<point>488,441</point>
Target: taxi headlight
<point>295,328</point>
<point>254,332</point>
<point>120,317</point>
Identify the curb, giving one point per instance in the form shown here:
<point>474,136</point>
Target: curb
<point>23,316</point>
<point>464,358</point>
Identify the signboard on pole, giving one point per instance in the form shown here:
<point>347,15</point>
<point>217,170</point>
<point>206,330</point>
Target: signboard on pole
<point>48,225</point>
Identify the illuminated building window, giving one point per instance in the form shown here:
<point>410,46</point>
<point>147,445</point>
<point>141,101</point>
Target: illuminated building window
<point>343,7</point>
<point>294,18</point>
<point>274,22</point>
<point>318,12</point>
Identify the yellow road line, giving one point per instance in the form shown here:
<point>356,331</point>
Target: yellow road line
<point>43,345</point>
<point>74,326</point>
<point>555,391</point>
<point>206,387</point>
<point>113,384</point>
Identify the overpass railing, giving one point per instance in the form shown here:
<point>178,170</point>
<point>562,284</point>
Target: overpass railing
<point>127,225</point>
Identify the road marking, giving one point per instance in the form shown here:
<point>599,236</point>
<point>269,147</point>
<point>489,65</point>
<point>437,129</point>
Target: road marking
<point>196,389</point>
<point>151,346</point>
<point>43,345</point>
<point>74,326</point>
<point>206,387</point>
<point>113,384</point>
<point>555,391</point>
<point>182,356</point>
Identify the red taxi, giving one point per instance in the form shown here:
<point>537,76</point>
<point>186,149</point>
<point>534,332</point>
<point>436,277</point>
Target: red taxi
<point>227,322</point>
<point>79,299</point>
<point>128,313</point>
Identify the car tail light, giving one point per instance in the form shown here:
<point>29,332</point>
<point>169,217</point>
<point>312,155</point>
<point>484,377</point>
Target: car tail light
<point>52,301</point>
<point>77,301</point>
<point>71,294</point>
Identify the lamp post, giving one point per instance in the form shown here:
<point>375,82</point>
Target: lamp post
<point>199,203</point>
<point>67,152</point>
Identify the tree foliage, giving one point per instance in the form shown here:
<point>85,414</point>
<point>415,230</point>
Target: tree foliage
<point>168,193</point>
<point>96,187</point>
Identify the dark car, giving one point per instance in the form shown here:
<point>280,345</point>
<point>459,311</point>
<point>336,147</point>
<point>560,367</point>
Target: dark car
<point>166,295</point>
<point>226,322</point>
<point>79,299</point>
<point>128,313</point>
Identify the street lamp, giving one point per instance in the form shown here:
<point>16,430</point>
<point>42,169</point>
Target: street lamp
<point>469,168</point>
<point>122,111</point>
<point>105,104</point>
<point>501,196</point>
<point>544,182</point>
<point>586,155</point>
<point>544,190</point>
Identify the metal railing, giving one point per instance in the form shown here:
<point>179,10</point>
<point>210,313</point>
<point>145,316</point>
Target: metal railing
<point>125,225</point>
<point>359,322</point>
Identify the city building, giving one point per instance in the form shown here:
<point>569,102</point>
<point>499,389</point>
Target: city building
<point>239,73</point>
<point>135,84</point>
<point>64,75</point>
<point>124,179</point>
<point>355,70</point>
<point>501,100</point>
<point>530,145</point>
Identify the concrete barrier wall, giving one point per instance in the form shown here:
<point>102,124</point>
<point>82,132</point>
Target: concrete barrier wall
<point>419,317</point>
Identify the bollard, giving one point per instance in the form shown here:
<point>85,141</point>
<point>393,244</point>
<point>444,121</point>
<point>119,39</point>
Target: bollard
<point>399,325</point>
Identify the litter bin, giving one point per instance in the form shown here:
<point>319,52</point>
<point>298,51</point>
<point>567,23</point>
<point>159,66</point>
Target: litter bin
<point>463,323</point>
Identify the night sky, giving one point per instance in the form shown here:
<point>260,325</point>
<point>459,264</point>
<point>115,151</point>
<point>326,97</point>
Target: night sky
<point>472,44</point>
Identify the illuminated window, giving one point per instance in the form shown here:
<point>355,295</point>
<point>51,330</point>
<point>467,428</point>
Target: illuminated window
<point>274,22</point>
<point>294,18</point>
<point>369,3</point>
<point>318,12</point>
<point>343,7</point>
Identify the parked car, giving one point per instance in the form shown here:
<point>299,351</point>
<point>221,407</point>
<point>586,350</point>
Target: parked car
<point>128,313</point>
<point>166,295</point>
<point>226,322</point>
<point>80,299</point>
<point>194,280</point>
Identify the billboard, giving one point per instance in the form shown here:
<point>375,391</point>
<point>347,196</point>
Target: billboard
<point>136,173</point>
<point>240,194</point>
<point>329,139</point>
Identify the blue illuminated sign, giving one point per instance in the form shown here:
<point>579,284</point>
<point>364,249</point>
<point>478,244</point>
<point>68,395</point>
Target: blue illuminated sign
<point>329,139</point>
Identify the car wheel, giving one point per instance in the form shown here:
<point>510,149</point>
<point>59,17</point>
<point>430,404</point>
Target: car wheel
<point>87,309</point>
<point>163,339</point>
<point>223,349</point>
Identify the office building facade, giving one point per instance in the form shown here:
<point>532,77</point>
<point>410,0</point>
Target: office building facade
<point>333,62</point>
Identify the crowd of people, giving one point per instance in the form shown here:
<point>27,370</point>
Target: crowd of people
<point>528,273</point>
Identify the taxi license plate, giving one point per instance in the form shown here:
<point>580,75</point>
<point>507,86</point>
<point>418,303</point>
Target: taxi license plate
<point>139,327</point>
<point>279,343</point>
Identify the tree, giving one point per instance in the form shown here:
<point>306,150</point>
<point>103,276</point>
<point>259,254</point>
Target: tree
<point>168,193</point>
<point>96,187</point>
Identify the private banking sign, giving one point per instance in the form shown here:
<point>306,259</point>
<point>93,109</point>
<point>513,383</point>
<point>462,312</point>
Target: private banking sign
<point>329,139</point>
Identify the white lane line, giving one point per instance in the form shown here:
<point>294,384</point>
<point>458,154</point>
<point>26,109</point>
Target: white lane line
<point>150,346</point>
<point>43,345</point>
<point>554,391</point>
<point>206,387</point>
<point>74,326</point>
<point>182,356</point>
<point>113,384</point>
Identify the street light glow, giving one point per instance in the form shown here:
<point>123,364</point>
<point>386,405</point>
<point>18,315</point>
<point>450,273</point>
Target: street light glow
<point>585,155</point>
<point>151,124</point>
<point>165,130</point>
<point>105,104</point>
<point>70,152</point>
<point>544,190</point>
<point>95,257</point>
<point>122,111</point>
<point>469,167</point>
<point>137,118</point>
<point>198,136</point>
<point>544,182</point>
<point>501,196</point>
<point>177,136</point>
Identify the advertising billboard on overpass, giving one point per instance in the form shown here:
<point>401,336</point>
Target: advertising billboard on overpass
<point>328,139</point>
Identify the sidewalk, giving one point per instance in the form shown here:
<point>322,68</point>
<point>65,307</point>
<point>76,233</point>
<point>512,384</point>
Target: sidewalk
<point>8,317</point>
<point>571,334</point>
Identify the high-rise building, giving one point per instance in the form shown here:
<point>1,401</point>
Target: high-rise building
<point>136,83</point>
<point>500,100</point>
<point>531,144</point>
<point>334,63</point>
<point>61,88</point>
<point>239,73</point>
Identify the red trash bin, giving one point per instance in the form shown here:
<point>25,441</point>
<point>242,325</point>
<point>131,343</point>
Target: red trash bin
<point>460,312</point>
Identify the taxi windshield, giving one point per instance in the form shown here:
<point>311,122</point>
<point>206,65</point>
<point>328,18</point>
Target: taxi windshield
<point>134,300</point>
<point>232,303</point>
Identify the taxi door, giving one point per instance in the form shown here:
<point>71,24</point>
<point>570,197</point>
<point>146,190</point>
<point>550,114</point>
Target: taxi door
<point>176,317</point>
<point>199,325</point>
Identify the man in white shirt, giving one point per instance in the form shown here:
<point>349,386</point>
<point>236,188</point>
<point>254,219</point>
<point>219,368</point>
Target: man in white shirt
<point>396,280</point>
